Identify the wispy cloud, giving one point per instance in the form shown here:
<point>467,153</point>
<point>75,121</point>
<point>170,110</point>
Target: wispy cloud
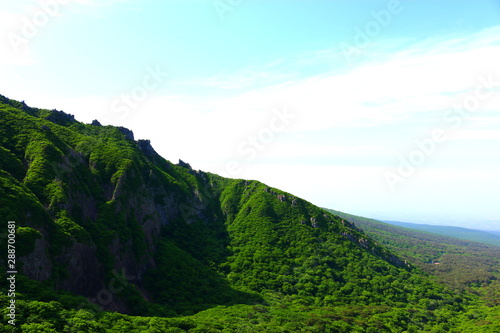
<point>408,88</point>
<point>476,135</point>
<point>419,80</point>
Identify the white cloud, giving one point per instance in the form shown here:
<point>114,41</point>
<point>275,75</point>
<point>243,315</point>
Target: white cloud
<point>411,88</point>
<point>12,55</point>
<point>477,135</point>
<point>422,80</point>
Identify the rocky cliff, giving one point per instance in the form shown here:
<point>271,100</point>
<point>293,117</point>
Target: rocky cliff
<point>109,209</point>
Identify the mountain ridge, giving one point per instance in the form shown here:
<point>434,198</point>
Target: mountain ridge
<point>94,207</point>
<point>100,176</point>
<point>470,263</point>
<point>477,235</point>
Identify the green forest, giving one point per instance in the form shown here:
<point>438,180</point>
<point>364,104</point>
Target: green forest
<point>111,237</point>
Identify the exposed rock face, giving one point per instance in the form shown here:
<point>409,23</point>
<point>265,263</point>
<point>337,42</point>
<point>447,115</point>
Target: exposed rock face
<point>128,262</point>
<point>79,260</point>
<point>130,197</point>
<point>146,148</point>
<point>129,135</point>
<point>37,264</point>
<point>61,118</point>
<point>184,165</point>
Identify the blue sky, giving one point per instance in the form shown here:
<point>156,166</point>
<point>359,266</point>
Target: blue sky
<point>387,109</point>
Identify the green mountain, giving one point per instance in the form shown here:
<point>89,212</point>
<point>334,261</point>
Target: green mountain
<point>450,231</point>
<point>111,237</point>
<point>461,264</point>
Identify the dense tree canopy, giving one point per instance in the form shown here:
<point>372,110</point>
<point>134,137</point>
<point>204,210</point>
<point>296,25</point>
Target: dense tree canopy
<point>113,238</point>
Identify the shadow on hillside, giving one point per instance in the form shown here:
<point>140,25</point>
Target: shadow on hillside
<point>184,285</point>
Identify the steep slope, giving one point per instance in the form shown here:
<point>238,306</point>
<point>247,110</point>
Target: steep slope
<point>103,216</point>
<point>98,200</point>
<point>106,198</point>
<point>459,263</point>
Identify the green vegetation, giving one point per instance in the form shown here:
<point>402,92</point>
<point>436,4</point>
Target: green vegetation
<point>114,238</point>
<point>456,232</point>
<point>462,265</point>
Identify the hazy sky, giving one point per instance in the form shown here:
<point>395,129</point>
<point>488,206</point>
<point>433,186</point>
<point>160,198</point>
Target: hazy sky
<point>384,109</point>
